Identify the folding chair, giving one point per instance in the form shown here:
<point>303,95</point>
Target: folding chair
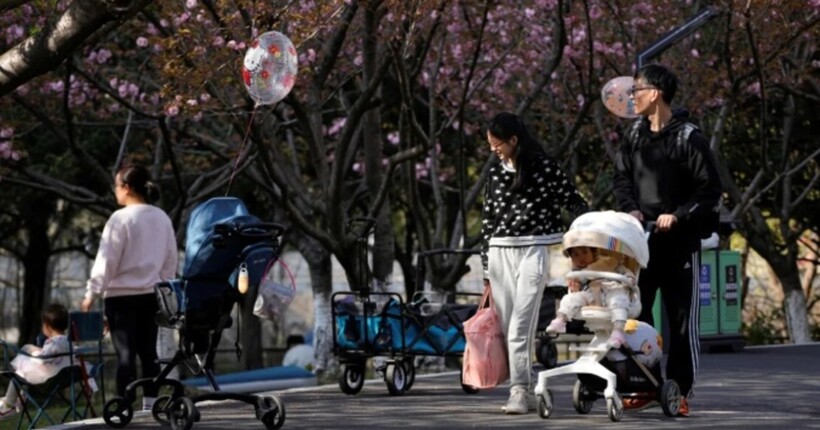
<point>71,384</point>
<point>86,333</point>
<point>39,397</point>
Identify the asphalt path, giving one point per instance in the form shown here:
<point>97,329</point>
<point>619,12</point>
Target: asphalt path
<point>757,388</point>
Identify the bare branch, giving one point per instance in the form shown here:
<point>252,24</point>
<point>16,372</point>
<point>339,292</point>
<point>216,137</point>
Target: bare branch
<point>83,156</point>
<point>331,49</point>
<point>559,40</point>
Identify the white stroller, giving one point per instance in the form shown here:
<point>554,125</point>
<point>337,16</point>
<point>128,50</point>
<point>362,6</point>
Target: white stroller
<point>633,371</point>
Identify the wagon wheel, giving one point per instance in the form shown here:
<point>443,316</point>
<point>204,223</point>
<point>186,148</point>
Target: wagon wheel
<point>409,372</point>
<point>395,379</point>
<point>351,379</point>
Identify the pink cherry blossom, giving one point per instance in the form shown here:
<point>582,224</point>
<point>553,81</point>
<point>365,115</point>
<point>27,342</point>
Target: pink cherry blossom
<point>103,55</point>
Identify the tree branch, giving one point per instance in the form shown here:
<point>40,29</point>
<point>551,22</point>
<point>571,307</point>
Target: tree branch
<point>46,50</point>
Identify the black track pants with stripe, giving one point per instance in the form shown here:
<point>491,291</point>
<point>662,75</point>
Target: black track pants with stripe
<point>673,269</point>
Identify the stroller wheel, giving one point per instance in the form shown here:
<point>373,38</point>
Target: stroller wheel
<point>670,398</point>
<point>351,379</point>
<point>409,372</point>
<point>272,412</point>
<point>396,379</point>
<point>546,352</point>
<point>117,412</point>
<point>615,408</point>
<point>582,398</point>
<point>160,410</point>
<point>545,404</point>
<point>183,414</point>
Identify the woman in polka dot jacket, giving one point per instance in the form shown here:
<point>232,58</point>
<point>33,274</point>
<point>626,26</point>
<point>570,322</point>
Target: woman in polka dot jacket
<point>525,192</point>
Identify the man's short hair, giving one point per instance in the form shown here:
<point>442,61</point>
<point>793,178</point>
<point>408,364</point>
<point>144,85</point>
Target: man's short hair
<point>661,78</point>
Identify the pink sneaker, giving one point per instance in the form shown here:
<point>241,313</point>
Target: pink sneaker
<point>557,326</point>
<point>616,339</point>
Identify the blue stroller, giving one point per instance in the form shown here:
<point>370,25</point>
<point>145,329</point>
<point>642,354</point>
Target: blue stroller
<point>223,239</point>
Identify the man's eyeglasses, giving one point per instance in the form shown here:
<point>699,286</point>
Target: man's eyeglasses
<point>634,90</point>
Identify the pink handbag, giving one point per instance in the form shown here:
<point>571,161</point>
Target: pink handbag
<point>485,356</point>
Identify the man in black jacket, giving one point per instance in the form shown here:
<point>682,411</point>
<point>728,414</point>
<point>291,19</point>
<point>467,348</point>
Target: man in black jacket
<point>665,173</point>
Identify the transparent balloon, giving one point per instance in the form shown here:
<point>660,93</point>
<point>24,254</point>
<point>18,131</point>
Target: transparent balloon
<point>615,96</point>
<point>269,68</point>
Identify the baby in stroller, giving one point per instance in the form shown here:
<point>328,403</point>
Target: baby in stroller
<point>618,295</point>
<point>624,365</point>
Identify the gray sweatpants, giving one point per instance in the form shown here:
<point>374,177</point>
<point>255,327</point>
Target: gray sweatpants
<point>517,279</point>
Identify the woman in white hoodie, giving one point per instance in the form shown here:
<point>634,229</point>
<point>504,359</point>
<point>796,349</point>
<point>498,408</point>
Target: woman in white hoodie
<point>137,250</point>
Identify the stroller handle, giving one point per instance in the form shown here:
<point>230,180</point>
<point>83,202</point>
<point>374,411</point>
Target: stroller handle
<point>262,229</point>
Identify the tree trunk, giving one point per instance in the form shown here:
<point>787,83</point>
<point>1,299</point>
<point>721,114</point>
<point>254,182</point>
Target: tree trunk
<point>384,241</point>
<point>794,304</point>
<point>35,264</point>
<point>784,265</point>
<point>250,331</point>
<point>321,278</point>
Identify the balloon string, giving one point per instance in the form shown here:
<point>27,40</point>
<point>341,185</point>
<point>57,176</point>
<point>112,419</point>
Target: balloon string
<point>241,147</point>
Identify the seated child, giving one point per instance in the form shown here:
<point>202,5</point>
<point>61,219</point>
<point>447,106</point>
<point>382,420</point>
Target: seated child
<point>616,295</point>
<point>28,363</point>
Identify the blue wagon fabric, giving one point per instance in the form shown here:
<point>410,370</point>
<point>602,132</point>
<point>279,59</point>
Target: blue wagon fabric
<point>402,329</point>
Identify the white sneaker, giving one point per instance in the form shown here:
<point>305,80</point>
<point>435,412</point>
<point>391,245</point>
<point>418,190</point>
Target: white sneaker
<point>521,401</point>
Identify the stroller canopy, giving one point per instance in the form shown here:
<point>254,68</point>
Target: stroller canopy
<point>201,225</point>
<point>614,231</point>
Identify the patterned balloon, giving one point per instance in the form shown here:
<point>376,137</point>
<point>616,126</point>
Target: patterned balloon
<point>269,69</point>
<point>615,96</point>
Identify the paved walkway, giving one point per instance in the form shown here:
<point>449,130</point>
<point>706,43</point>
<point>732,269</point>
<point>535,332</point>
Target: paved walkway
<point>758,388</point>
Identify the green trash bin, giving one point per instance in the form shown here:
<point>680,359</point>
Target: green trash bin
<point>729,288</point>
<point>720,319</point>
<point>720,302</point>
<point>708,293</point>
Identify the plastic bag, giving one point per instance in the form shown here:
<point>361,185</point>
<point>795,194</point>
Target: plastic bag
<point>485,356</point>
<point>274,297</point>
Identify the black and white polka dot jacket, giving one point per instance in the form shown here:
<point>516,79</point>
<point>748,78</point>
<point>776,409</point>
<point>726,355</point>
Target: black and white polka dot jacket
<point>530,215</point>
